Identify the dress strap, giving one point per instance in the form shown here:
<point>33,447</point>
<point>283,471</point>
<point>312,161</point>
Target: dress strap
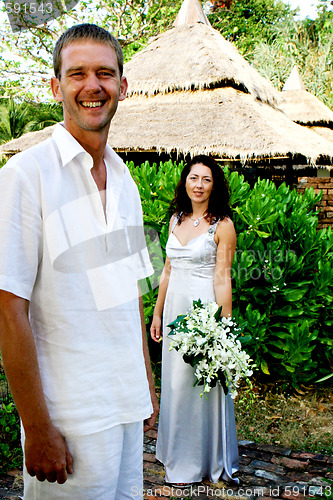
<point>213,227</point>
<point>174,224</point>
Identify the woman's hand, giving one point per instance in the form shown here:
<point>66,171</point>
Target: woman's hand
<point>156,329</point>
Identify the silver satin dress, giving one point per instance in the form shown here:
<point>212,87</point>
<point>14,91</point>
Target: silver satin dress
<point>196,436</point>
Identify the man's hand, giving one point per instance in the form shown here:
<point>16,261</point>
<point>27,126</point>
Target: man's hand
<point>151,421</point>
<point>47,456</point>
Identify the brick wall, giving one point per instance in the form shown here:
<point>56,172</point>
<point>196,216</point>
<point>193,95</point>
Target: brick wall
<point>324,184</point>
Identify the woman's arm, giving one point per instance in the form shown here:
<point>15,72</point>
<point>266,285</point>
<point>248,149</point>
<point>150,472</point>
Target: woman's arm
<point>225,238</point>
<point>156,326</point>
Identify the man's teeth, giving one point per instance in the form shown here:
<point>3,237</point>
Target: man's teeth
<point>92,104</point>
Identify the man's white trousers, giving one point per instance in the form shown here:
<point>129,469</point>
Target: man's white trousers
<point>107,466</point>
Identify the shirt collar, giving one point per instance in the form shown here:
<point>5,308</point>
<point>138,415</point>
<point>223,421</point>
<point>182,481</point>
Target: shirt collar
<point>69,149</point>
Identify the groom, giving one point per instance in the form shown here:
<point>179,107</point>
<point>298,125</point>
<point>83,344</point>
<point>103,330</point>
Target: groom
<point>72,331</point>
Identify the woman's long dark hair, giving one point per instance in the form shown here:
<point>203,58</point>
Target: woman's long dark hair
<point>218,206</point>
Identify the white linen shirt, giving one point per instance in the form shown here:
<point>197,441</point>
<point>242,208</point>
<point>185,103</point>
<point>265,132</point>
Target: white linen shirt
<point>78,266</point>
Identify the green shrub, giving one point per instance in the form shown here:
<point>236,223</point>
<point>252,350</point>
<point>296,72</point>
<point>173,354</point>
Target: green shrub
<point>282,270</point>
<point>10,441</point>
<point>283,280</point>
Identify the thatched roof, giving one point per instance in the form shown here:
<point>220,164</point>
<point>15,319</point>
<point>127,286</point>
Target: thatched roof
<point>225,122</point>
<point>325,132</point>
<point>191,12</point>
<point>190,57</point>
<point>301,106</point>
<point>294,82</point>
<point>26,141</point>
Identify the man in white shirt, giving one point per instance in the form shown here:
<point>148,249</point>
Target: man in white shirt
<point>72,250</point>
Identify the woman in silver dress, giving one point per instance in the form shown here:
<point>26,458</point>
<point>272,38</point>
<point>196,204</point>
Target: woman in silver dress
<point>196,435</point>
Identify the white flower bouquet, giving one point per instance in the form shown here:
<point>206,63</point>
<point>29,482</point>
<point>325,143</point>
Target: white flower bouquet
<point>210,343</point>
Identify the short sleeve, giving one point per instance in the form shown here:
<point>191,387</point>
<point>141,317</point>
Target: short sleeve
<point>20,232</point>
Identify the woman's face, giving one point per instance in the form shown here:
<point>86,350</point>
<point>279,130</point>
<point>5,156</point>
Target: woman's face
<point>199,183</point>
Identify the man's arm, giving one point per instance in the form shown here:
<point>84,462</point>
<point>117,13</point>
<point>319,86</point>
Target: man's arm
<point>46,453</point>
<point>149,422</point>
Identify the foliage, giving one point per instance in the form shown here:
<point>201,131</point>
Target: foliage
<point>269,36</point>
<point>283,280</point>
<point>248,21</point>
<point>10,441</point>
<point>282,271</point>
<point>28,60</point>
<point>17,118</point>
<point>307,45</point>
<point>265,32</point>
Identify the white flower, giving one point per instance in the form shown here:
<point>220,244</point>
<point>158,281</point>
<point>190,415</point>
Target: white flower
<point>215,342</point>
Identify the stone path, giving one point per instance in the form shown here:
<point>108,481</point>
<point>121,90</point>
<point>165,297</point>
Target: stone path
<point>266,472</point>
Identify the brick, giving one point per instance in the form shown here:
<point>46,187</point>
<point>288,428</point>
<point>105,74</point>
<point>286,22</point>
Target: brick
<point>318,191</point>
<point>148,457</point>
<point>302,455</point>
<point>266,475</point>
<point>329,215</point>
<point>319,459</point>
<point>290,463</point>
<point>244,460</point>
<point>271,467</point>
<point>276,450</point>
<point>14,473</point>
<point>286,494</point>
<point>151,434</point>
<point>313,180</point>
<point>149,497</point>
<point>258,455</point>
<point>325,186</point>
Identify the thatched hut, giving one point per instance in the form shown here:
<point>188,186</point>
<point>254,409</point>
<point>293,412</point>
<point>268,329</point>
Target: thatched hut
<point>304,108</point>
<point>301,106</point>
<point>190,91</point>
<point>308,111</point>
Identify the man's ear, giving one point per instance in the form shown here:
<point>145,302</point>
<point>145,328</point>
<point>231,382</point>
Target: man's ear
<point>55,87</point>
<point>123,88</point>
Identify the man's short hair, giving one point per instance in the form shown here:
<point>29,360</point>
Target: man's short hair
<point>85,32</point>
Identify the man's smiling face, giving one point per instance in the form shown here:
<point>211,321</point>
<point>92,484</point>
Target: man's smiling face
<point>90,86</point>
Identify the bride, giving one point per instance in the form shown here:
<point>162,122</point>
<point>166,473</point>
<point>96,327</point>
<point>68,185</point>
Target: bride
<point>196,436</point>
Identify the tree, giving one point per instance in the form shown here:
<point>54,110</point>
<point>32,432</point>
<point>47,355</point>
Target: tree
<point>17,118</point>
<point>249,21</point>
<point>133,22</point>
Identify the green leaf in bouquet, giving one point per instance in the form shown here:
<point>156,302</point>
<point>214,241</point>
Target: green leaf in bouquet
<point>177,321</point>
<point>217,315</point>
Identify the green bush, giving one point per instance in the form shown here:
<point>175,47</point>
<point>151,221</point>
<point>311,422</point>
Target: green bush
<point>10,440</point>
<point>282,270</point>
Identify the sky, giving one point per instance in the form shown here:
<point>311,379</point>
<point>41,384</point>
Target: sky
<point>307,7</point>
